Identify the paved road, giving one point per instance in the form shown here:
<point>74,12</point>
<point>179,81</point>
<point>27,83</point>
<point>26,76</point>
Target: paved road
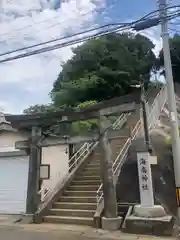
<point>12,234</point>
<point>9,234</point>
<point>64,232</point>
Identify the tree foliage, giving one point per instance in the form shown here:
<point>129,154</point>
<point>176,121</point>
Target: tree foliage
<point>38,108</point>
<point>175,57</point>
<point>100,69</point>
<point>103,68</point>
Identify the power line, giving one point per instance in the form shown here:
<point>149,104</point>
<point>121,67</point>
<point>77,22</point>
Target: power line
<point>61,45</point>
<point>76,34</point>
<point>126,26</point>
<point>174,30</point>
<point>73,35</point>
<point>62,38</point>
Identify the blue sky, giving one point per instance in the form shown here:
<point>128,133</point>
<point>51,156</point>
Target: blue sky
<point>23,22</point>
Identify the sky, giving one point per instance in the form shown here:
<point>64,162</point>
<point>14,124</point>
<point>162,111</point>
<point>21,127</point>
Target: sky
<point>28,81</point>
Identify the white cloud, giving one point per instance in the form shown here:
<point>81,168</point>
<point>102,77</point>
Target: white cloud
<point>33,21</point>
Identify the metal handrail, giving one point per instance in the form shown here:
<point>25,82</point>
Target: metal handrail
<point>118,161</point>
<point>157,107</point>
<point>121,154</point>
<point>120,121</point>
<point>79,156</point>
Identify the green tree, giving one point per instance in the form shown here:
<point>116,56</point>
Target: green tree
<point>38,108</point>
<point>103,68</point>
<point>175,57</point>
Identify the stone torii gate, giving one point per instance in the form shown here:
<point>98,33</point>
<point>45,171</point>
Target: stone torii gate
<point>33,145</point>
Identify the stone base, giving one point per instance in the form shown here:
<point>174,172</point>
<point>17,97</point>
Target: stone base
<point>158,226</point>
<point>149,212</point>
<point>27,218</point>
<point>111,224</point>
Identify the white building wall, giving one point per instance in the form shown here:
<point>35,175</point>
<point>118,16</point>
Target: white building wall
<point>8,139</point>
<point>58,158</point>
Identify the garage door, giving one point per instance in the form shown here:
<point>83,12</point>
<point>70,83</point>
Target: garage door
<point>13,184</point>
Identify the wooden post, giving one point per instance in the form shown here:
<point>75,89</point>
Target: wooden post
<point>109,189</point>
<point>33,177</point>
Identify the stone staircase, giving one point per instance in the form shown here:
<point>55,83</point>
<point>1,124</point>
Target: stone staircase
<point>77,200</point>
<point>78,203</point>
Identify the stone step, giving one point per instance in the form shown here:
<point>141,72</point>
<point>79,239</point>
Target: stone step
<point>75,205</point>
<point>87,177</point>
<point>78,199</point>
<point>97,154</point>
<point>80,193</point>
<point>93,172</point>
<point>89,167</point>
<point>94,164</point>
<point>82,188</point>
<point>95,160</point>
<point>69,220</point>
<point>71,212</point>
<point>86,182</point>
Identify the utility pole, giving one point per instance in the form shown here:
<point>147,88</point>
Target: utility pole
<point>171,95</point>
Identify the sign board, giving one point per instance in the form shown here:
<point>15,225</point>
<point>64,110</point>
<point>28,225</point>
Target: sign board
<point>44,172</point>
<point>145,179</point>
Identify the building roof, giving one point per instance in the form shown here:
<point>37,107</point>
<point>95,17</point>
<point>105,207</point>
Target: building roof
<point>5,125</point>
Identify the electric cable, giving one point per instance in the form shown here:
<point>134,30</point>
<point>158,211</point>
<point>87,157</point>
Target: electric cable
<point>125,27</point>
<point>62,38</point>
<point>76,34</point>
<point>61,45</point>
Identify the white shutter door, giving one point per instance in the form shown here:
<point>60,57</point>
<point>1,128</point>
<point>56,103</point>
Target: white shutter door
<point>13,184</point>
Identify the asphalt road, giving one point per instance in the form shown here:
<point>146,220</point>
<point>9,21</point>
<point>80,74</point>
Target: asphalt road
<point>45,233</point>
<point>9,234</point>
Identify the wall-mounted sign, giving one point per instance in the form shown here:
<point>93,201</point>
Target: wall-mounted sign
<point>44,172</point>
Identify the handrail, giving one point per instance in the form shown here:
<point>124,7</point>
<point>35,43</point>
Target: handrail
<point>120,154</point>
<point>157,107</point>
<point>120,121</point>
<point>121,157</point>
<point>77,153</point>
<point>80,155</point>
